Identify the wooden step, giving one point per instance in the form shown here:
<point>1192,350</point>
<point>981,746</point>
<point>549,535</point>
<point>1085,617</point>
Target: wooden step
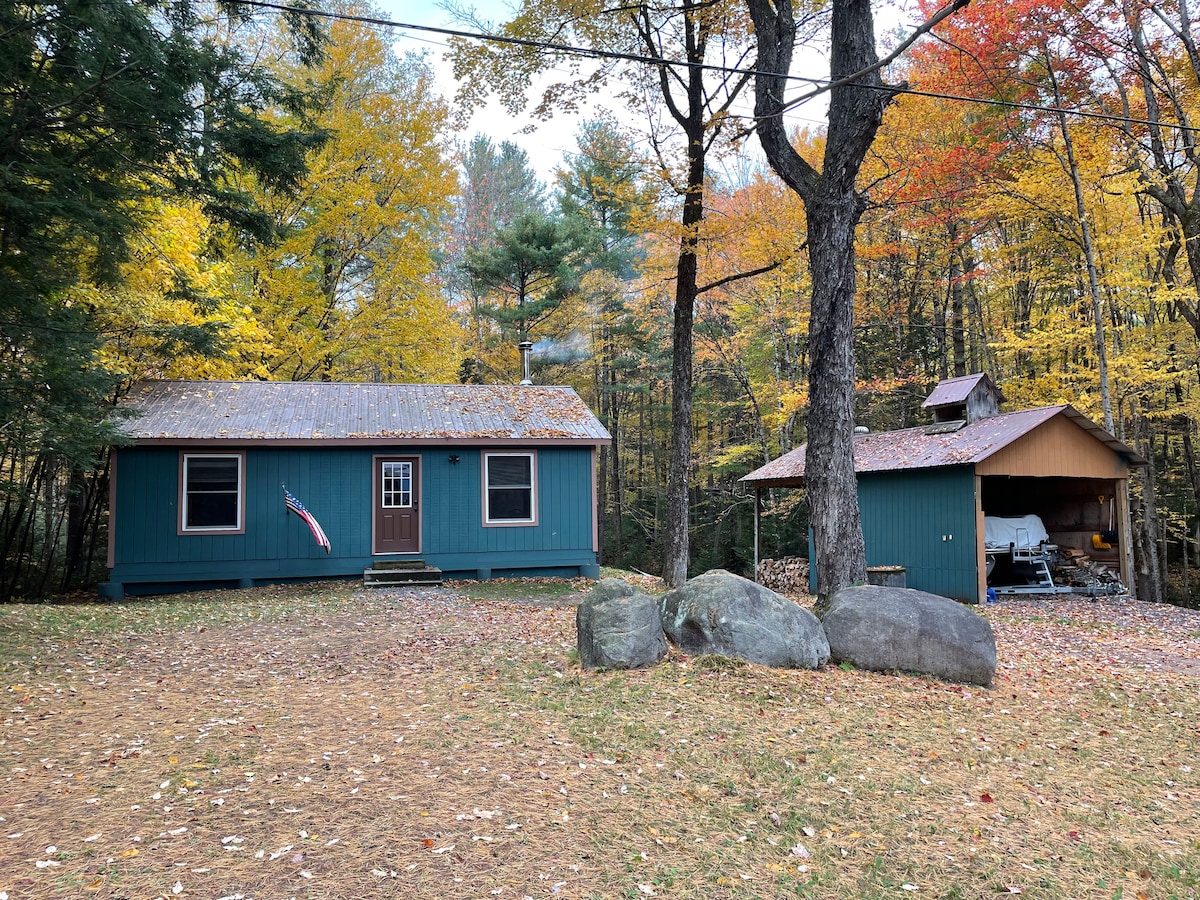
<point>401,576</point>
<point>390,564</point>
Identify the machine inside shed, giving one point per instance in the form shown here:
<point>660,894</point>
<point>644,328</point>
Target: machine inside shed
<point>1079,549</point>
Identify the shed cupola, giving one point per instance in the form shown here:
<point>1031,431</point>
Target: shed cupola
<point>965,399</point>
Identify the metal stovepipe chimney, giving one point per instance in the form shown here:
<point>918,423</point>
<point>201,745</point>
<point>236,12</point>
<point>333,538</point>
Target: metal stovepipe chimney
<point>525,347</point>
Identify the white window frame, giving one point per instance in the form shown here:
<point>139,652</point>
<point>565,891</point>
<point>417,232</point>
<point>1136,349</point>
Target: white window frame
<point>400,491</point>
<point>492,522</point>
<point>239,527</point>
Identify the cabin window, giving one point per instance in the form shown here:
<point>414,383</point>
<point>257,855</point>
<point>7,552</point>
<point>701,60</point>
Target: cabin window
<point>213,492</point>
<point>510,489</point>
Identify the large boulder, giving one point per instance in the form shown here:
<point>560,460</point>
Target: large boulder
<point>725,614</point>
<point>617,627</point>
<point>898,629</point>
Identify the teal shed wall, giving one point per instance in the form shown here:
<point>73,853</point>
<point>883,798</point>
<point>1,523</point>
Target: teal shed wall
<point>904,518</point>
<point>335,484</point>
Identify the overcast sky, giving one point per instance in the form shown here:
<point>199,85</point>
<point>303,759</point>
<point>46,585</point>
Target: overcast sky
<point>547,145</point>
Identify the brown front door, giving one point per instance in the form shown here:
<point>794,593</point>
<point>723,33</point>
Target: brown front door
<point>397,504</point>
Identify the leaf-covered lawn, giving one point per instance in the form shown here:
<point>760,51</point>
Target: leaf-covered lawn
<point>323,741</point>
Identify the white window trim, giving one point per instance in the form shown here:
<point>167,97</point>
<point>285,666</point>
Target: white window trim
<point>412,477</point>
<point>240,527</point>
<point>488,521</point>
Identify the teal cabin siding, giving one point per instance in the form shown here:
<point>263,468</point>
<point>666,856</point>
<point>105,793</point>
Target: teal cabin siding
<point>923,520</point>
<point>456,540</point>
<point>148,550</point>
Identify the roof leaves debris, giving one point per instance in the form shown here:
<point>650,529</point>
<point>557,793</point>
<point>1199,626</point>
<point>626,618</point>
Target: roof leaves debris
<point>347,411</point>
<point>926,448</point>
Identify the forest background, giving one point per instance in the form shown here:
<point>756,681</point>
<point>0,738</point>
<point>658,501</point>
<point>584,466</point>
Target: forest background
<point>232,192</point>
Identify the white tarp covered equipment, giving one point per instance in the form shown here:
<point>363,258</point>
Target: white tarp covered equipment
<point>1023,531</point>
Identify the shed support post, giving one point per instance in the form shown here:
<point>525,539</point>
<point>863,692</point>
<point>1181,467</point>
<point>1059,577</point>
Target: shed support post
<point>757,533</point>
<point>1125,537</point>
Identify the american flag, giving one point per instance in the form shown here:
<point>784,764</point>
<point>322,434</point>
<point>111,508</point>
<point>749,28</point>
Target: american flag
<point>295,506</point>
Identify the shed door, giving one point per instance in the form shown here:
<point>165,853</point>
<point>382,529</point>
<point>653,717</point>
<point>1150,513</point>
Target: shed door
<point>397,505</point>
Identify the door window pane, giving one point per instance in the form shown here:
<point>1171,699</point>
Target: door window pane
<point>397,484</point>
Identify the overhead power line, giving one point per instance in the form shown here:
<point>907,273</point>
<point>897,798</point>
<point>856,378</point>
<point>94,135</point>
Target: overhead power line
<point>820,85</point>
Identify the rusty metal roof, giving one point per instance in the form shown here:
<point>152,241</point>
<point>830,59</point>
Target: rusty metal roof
<point>925,447</point>
<point>229,411</point>
<point>956,390</point>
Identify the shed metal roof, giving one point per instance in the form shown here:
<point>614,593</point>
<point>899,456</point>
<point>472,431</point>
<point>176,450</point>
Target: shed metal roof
<point>280,411</point>
<point>925,448</point>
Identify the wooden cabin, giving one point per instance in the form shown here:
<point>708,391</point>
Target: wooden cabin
<point>474,481</point>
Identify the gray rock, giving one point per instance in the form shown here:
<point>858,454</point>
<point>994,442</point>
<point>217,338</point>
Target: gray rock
<point>898,629</point>
<point>725,614</point>
<point>617,627</point>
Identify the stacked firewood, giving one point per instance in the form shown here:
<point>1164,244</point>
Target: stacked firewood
<point>1074,568</point>
<point>787,575</point>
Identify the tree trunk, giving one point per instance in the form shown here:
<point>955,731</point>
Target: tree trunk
<point>1189,458</point>
<point>1089,248</point>
<point>601,371</point>
<point>617,487</point>
<point>941,346</point>
<point>832,207</point>
<point>1163,177</point>
<point>700,124</point>
<point>830,483</point>
<point>78,504</point>
<point>602,503</point>
<point>981,354</point>
<point>675,552</point>
<point>676,549</point>
<point>1145,528</point>
<point>958,338</point>
<point>95,517</point>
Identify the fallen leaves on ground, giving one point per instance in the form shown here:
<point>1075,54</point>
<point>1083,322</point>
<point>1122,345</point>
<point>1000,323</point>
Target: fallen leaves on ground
<point>266,743</point>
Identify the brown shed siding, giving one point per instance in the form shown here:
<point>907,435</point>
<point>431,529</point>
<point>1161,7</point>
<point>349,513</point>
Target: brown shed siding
<point>1058,448</point>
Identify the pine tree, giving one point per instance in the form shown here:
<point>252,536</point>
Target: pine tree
<point>103,104</point>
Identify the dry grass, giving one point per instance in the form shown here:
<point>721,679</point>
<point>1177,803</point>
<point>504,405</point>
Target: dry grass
<point>325,742</point>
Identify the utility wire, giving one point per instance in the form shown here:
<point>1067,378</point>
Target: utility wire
<point>516,41</point>
<point>820,85</point>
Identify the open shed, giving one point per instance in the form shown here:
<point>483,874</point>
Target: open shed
<point>930,495</point>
